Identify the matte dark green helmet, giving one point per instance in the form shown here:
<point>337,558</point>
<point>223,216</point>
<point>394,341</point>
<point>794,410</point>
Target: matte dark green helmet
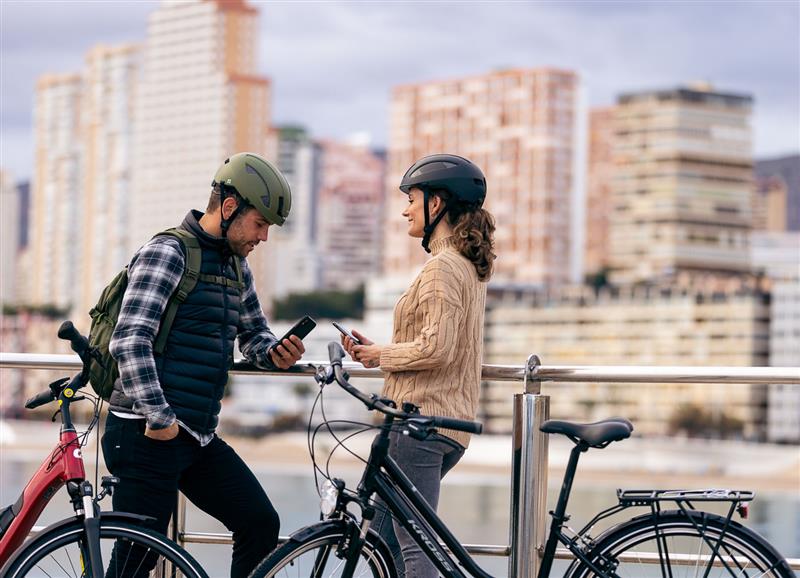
<point>259,183</point>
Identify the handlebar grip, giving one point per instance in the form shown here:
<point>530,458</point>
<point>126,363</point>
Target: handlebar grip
<point>78,342</point>
<point>335,353</point>
<point>474,427</point>
<point>39,399</point>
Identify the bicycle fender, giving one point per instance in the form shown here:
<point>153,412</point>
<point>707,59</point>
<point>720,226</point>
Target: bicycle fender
<point>304,533</point>
<point>341,525</point>
<point>118,516</point>
<point>126,517</point>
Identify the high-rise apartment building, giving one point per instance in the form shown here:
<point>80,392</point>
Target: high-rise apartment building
<point>108,121</point>
<point>788,170</point>
<point>682,185</point>
<point>777,255</point>
<point>600,172</point>
<point>350,214</point>
<point>200,100</point>
<point>769,204</point>
<point>56,220</point>
<point>293,258</point>
<point>519,127</point>
<point>9,237</point>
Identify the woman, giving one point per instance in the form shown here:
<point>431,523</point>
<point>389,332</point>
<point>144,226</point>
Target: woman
<point>434,360</point>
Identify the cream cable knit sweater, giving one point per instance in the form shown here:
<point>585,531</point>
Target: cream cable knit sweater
<point>434,360</point>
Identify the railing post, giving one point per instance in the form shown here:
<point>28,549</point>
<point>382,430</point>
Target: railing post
<point>178,527</point>
<point>528,476</point>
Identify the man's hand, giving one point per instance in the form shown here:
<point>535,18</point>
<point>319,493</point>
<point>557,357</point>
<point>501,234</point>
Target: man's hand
<point>166,434</point>
<point>288,352</point>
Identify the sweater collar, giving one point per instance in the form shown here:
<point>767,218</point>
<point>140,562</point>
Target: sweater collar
<point>440,245</point>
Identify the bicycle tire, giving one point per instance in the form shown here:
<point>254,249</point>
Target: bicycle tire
<point>59,551</point>
<point>621,550</point>
<point>312,552</point>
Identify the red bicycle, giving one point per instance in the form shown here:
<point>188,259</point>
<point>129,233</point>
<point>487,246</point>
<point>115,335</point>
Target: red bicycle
<point>93,543</point>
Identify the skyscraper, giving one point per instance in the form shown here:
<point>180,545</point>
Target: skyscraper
<point>682,184</point>
<point>200,100</point>
<point>519,127</point>
<point>600,172</point>
<point>55,218</point>
<point>350,214</point>
<point>109,96</point>
<point>293,259</point>
<point>9,237</point>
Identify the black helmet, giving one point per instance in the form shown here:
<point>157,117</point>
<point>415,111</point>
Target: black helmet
<point>463,179</point>
<point>456,175</point>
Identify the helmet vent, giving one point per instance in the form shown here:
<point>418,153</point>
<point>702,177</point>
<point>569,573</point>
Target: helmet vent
<point>250,170</point>
<point>280,206</point>
<point>265,199</point>
<point>431,167</point>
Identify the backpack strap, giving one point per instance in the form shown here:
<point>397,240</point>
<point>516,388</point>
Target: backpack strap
<point>191,273</point>
<point>220,280</point>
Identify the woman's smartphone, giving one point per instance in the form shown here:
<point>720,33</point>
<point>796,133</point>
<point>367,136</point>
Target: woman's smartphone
<point>301,329</point>
<point>346,333</point>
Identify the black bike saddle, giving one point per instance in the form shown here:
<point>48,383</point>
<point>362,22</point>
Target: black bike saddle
<point>596,435</point>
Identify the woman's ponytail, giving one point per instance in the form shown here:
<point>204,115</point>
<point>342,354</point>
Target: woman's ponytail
<point>474,238</point>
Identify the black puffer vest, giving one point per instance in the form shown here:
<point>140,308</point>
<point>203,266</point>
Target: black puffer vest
<point>193,369</point>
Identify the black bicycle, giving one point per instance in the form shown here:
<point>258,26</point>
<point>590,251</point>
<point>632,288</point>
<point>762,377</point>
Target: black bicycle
<point>679,541</point>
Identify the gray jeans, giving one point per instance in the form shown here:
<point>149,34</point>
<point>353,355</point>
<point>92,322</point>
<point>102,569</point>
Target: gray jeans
<point>425,463</point>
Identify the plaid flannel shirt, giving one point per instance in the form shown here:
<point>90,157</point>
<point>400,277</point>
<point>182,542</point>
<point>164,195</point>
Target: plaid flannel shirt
<point>153,276</point>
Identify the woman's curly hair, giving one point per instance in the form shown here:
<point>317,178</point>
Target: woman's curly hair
<point>473,229</point>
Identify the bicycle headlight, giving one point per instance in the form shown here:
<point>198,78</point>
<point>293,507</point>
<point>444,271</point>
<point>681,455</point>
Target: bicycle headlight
<point>328,497</point>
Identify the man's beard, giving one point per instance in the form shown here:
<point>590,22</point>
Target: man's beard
<point>236,242</point>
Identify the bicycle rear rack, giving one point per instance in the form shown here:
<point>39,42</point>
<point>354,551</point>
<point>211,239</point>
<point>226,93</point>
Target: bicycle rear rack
<point>648,497</point>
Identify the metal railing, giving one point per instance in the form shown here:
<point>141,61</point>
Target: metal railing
<point>529,445</point>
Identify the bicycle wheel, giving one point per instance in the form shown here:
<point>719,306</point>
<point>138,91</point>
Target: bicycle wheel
<point>313,551</point>
<point>128,550</point>
<point>678,545</point>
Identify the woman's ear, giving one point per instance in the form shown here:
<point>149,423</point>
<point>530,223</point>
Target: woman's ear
<point>435,205</point>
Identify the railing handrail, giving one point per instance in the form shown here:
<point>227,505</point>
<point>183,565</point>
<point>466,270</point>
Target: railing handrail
<point>530,445</point>
<point>494,372</point>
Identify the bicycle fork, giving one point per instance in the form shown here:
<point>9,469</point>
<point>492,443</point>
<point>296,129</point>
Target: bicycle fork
<point>82,500</point>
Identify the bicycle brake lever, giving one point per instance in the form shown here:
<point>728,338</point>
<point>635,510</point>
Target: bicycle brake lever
<point>53,419</point>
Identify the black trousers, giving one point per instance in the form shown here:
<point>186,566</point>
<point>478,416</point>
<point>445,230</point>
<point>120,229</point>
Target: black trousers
<point>214,478</point>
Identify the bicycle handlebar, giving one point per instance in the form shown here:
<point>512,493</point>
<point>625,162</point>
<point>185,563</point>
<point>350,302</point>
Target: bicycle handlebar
<point>39,399</point>
<point>79,345</point>
<point>78,342</point>
<point>336,354</point>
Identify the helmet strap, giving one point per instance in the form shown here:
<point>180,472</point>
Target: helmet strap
<point>430,227</point>
<point>226,223</point>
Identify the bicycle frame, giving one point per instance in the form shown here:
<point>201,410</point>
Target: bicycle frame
<point>384,477</point>
<point>64,464</point>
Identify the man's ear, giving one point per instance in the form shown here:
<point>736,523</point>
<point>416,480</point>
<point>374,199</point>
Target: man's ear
<point>228,207</point>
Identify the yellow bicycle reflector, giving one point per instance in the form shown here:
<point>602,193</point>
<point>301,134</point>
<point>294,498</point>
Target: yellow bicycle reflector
<point>69,392</point>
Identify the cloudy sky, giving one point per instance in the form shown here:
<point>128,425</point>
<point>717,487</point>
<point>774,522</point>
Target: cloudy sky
<point>333,64</point>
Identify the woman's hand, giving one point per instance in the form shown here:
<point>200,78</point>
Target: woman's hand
<point>367,353</point>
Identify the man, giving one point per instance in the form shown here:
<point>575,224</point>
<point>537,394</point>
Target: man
<point>160,432</point>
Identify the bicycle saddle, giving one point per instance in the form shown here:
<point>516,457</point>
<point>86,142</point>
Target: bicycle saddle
<point>596,435</point>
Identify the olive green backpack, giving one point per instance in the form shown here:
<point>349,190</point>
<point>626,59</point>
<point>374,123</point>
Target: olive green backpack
<point>104,372</point>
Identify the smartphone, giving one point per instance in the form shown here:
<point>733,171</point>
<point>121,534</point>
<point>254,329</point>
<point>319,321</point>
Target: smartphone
<point>346,333</point>
<point>301,329</point>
